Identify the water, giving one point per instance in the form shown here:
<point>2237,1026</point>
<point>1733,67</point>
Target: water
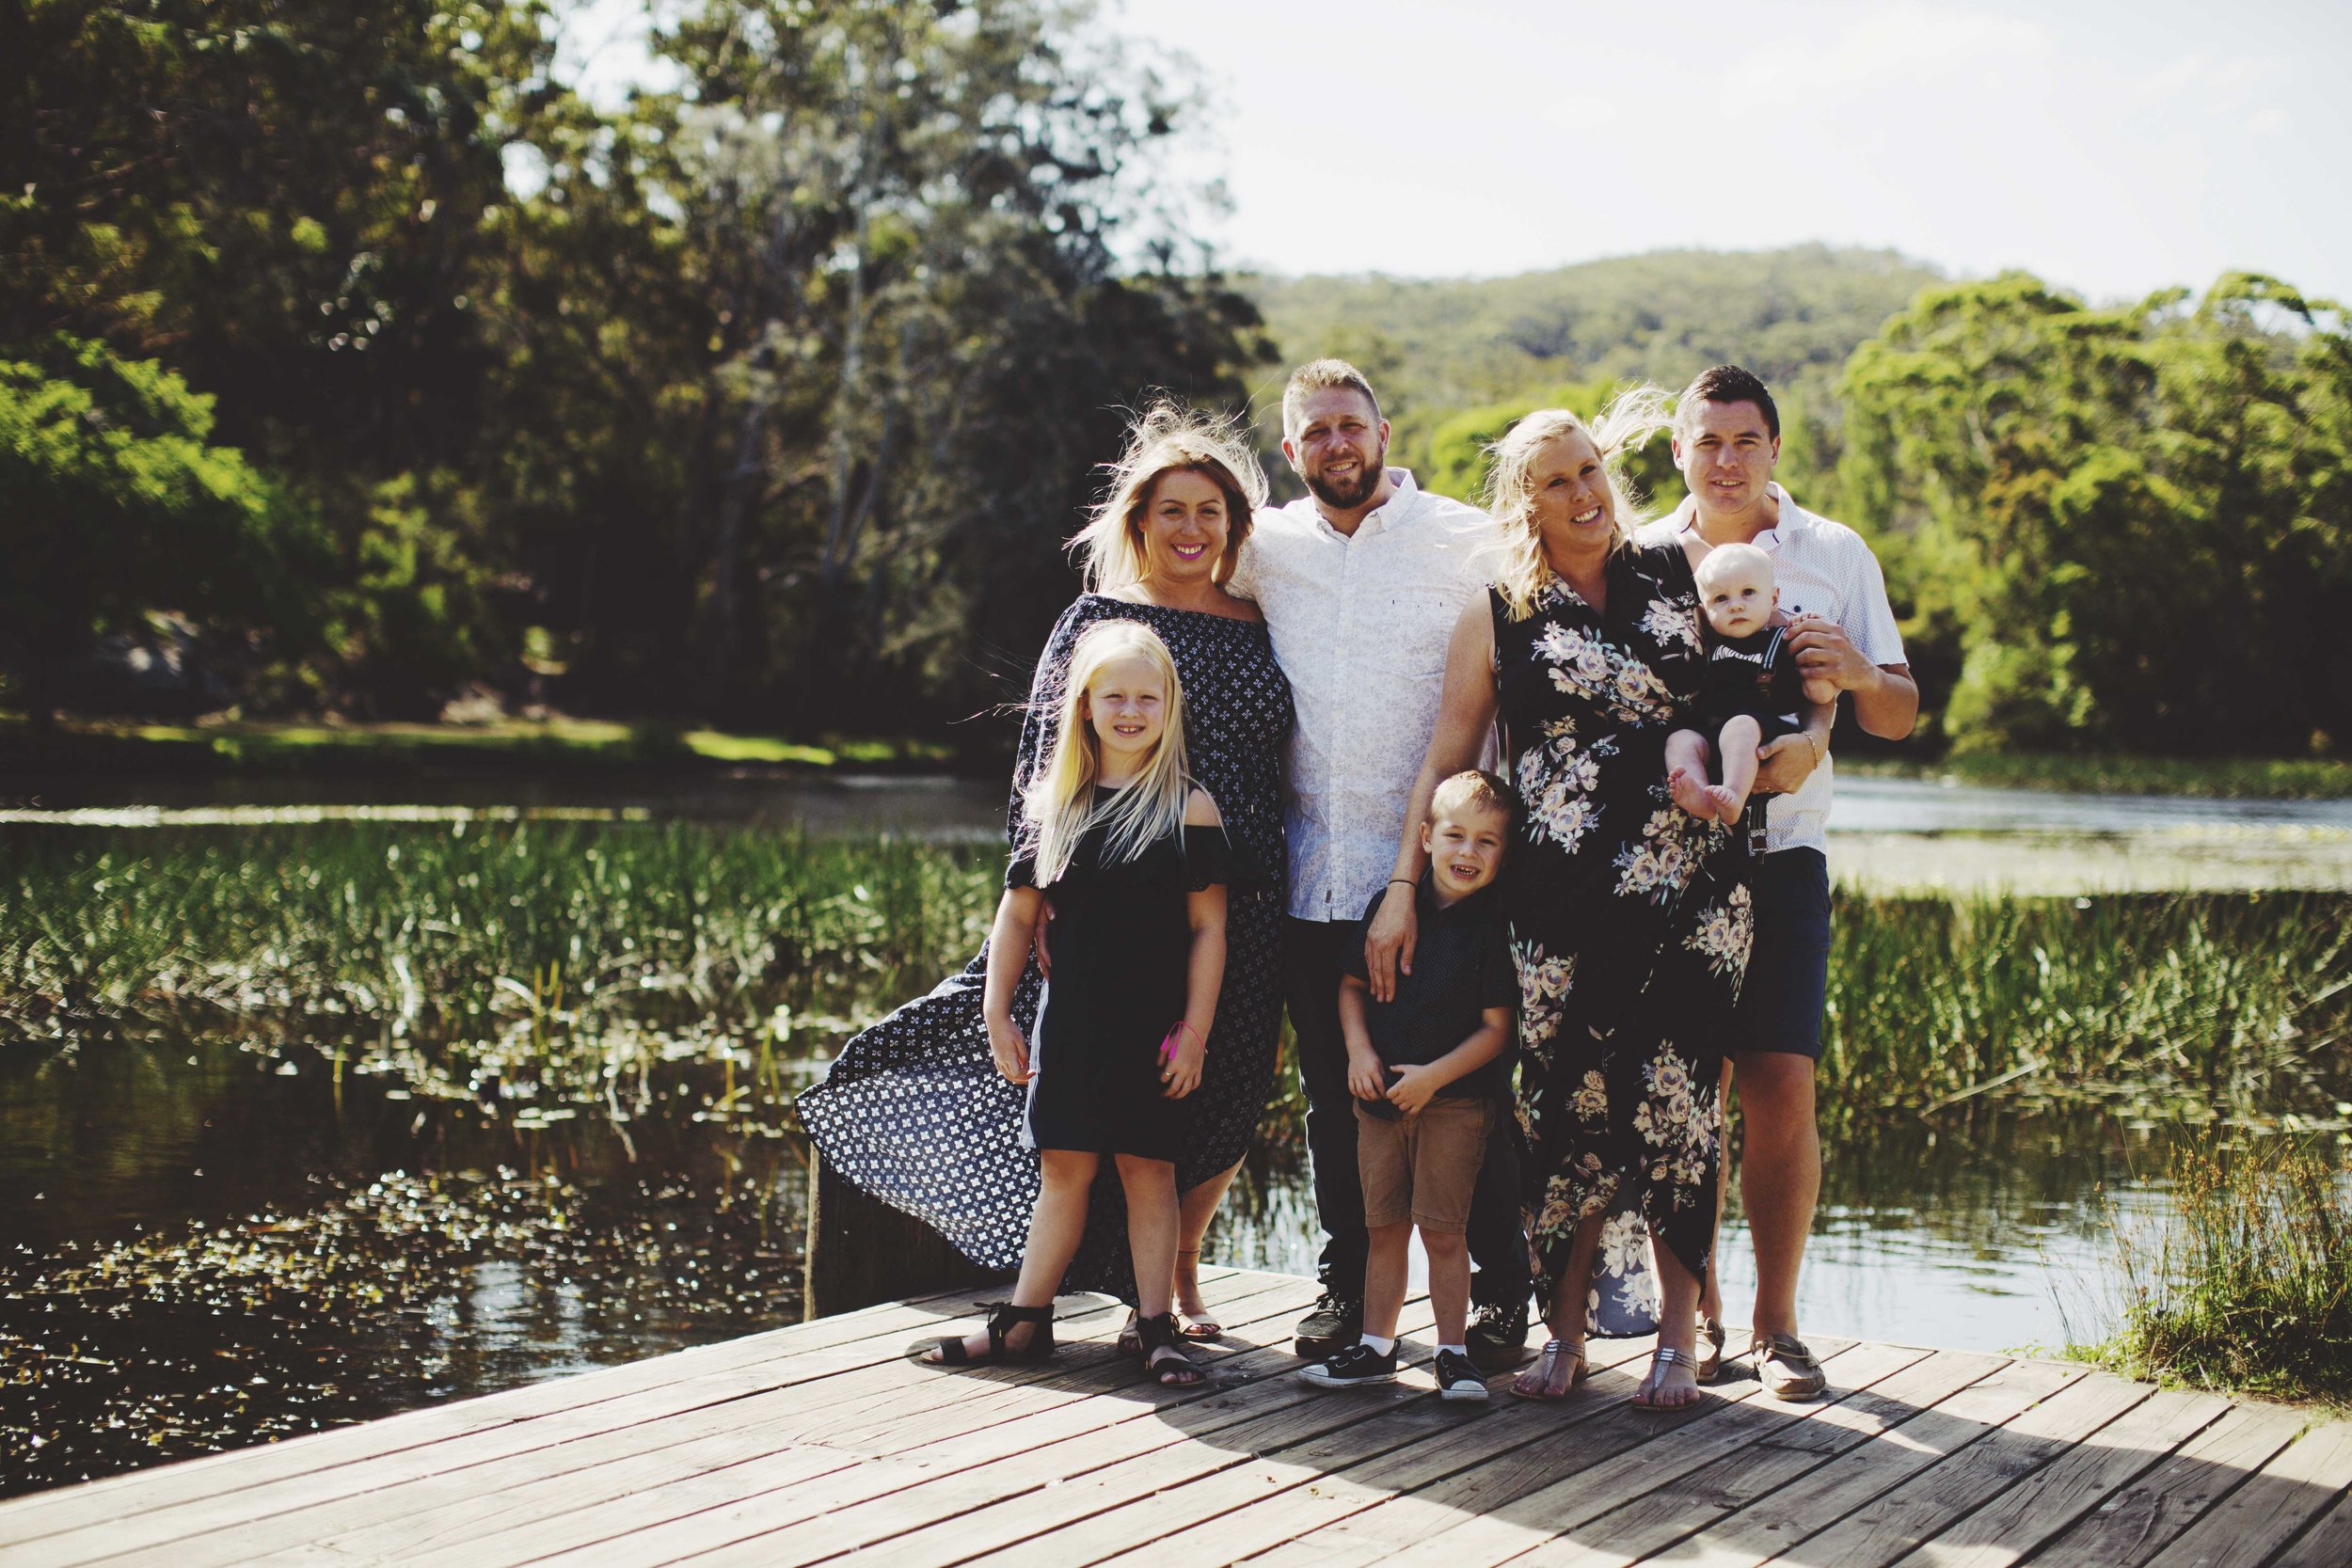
<point>217,1235</point>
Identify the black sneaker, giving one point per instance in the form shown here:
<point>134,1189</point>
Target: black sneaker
<point>1458,1379</point>
<point>1356,1367</point>
<point>1336,1322</point>
<point>1498,1337</point>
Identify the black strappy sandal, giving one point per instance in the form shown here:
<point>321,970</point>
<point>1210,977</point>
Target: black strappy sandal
<point>1175,1369</point>
<point>1002,1317</point>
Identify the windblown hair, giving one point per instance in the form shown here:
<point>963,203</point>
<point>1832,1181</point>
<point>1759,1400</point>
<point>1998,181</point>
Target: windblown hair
<point>1323,375</point>
<point>1624,427</point>
<point>1168,438</point>
<point>1477,790</point>
<point>1726,384</point>
<point>1058,807</point>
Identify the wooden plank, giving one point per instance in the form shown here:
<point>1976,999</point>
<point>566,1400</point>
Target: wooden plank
<point>1789,1514</point>
<point>1141,1516</point>
<point>1903,1516</point>
<point>2329,1541</point>
<point>786,1417</point>
<point>2140,1520</point>
<point>1438,1517</point>
<point>2244,1528</point>
<point>662,1498</point>
<point>2045,1503</point>
<point>43,1513</point>
<point>1611,1502</point>
<point>181,1508</point>
<point>403,1521</point>
<point>1497,1478</point>
<point>978,1499</point>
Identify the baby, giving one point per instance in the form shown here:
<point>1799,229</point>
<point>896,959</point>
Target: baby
<point>1751,690</point>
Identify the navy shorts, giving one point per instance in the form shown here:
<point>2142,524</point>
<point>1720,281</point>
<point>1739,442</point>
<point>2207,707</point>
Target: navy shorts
<point>1780,1003</point>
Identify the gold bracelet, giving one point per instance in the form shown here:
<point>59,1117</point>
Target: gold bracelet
<point>1819,750</point>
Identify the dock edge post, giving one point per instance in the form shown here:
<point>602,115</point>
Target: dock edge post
<point>860,1251</point>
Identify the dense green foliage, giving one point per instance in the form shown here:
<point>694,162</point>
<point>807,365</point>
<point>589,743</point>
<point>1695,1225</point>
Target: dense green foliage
<point>2122,528</point>
<point>774,394</point>
<point>2247,1283</point>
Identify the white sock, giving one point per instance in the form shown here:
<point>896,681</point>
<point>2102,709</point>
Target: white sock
<point>1379,1346</point>
<point>1458,1350</point>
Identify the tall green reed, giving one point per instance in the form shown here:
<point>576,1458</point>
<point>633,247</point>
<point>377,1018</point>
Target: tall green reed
<point>2245,1282</point>
<point>562,956</point>
<point>2181,1003</point>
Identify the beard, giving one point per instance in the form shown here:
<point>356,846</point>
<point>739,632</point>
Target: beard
<point>1346,497</point>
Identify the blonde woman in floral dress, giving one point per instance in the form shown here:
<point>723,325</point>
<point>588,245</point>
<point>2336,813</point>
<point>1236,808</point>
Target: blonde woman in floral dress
<point>1629,917</point>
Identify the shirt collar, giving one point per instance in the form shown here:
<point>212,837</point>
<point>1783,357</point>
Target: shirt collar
<point>1403,499</point>
<point>1792,517</point>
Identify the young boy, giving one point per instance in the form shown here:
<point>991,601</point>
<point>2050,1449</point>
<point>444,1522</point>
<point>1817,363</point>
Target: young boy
<point>1426,1073</point>
<point>1750,691</point>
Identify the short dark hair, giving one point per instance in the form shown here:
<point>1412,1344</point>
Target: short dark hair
<point>1728,384</point>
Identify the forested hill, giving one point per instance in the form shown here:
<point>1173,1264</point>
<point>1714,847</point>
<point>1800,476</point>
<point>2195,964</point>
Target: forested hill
<point>1436,346</point>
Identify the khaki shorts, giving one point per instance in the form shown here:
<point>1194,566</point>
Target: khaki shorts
<point>1423,1167</point>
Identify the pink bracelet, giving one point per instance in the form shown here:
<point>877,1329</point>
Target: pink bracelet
<point>1173,1041</point>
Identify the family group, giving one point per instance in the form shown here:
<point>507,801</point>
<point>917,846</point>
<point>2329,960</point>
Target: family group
<point>1517,810</point>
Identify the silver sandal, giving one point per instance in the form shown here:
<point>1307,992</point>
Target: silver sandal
<point>1542,1371</point>
<point>1661,1359</point>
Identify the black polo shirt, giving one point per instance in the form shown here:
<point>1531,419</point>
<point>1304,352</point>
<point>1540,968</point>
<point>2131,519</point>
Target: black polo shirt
<point>1461,967</point>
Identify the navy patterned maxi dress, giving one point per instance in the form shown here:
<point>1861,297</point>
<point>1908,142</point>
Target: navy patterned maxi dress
<point>914,1110</point>
<point>1629,921</point>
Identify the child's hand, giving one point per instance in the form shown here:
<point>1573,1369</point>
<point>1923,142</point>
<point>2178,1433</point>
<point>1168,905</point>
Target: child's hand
<point>1011,1052</point>
<point>1414,1088</point>
<point>1179,1068</point>
<point>1366,1075</point>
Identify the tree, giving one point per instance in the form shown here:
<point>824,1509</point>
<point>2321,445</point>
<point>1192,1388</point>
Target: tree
<point>118,506</point>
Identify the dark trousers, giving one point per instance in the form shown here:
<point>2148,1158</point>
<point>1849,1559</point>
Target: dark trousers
<point>1312,951</point>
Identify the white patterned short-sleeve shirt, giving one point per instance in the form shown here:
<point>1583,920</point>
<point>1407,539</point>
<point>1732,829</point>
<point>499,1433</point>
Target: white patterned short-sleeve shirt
<point>1821,568</point>
<point>1360,625</point>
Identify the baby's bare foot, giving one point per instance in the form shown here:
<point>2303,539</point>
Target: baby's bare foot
<point>1691,795</point>
<point>1728,803</point>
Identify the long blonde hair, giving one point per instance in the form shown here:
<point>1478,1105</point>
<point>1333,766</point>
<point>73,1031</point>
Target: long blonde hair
<point>1058,807</point>
<point>1165,439</point>
<point>1624,427</point>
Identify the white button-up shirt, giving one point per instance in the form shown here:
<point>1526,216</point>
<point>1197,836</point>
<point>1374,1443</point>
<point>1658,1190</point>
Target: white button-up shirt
<point>1821,568</point>
<point>1360,625</point>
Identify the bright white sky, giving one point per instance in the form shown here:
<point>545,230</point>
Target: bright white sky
<point>2111,146</point>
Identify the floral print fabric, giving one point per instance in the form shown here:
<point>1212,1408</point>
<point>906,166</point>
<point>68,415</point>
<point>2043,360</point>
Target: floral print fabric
<point>1630,924</point>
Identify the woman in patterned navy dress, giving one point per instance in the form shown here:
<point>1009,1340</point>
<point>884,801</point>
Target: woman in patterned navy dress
<point>1630,918</point>
<point>914,1110</point>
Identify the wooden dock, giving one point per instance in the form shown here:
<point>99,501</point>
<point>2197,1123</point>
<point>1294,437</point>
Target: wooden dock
<point>810,1443</point>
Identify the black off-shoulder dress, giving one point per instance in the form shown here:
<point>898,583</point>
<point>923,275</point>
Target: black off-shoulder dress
<point>914,1110</point>
<point>1121,942</point>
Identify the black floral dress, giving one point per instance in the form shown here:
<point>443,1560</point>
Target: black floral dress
<point>914,1110</point>
<point>1629,921</point>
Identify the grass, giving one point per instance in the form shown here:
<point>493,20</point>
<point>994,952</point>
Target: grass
<point>560,963</point>
<point>2224,777</point>
<point>2180,1004</point>
<point>546,963</point>
<point>2246,1282</point>
<point>307,748</point>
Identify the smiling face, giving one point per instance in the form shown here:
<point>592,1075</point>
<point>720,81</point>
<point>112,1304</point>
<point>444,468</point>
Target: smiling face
<point>1570,505</point>
<point>1727,452</point>
<point>1126,705</point>
<point>1737,591</point>
<point>1184,529</point>
<point>1340,447</point>
<point>1464,843</point>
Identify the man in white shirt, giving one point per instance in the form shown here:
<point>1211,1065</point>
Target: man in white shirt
<point>1361,583</point>
<point>1726,441</point>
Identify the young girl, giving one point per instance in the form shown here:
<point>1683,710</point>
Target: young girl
<point>1135,861</point>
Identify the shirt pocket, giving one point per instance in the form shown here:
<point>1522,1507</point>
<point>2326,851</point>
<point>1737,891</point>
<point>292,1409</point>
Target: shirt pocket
<point>1417,624</point>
